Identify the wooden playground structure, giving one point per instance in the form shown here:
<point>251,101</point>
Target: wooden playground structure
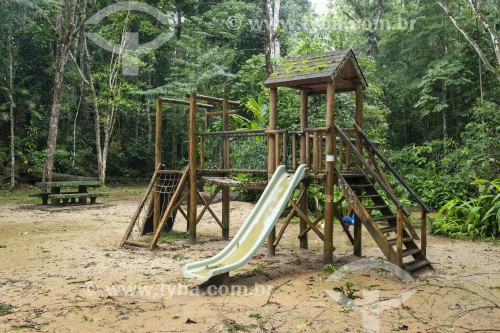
<point>343,161</point>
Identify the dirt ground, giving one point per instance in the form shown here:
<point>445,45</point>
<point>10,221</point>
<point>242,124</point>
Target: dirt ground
<point>61,270</point>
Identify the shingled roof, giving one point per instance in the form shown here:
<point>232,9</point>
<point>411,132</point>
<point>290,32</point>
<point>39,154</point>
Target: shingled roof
<point>312,72</point>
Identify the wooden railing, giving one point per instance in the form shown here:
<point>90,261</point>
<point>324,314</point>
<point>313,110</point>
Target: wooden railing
<point>348,150</point>
<point>374,153</point>
<point>246,151</point>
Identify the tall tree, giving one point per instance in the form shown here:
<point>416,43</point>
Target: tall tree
<point>65,29</point>
<point>370,11</point>
<point>266,13</point>
<point>275,24</point>
<point>489,27</point>
<point>10,48</point>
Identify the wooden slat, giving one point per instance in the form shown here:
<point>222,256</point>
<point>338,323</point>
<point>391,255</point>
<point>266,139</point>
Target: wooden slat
<point>137,244</point>
<point>89,183</point>
<point>214,99</point>
<point>181,102</point>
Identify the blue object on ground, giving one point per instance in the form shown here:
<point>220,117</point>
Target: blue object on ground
<point>349,220</point>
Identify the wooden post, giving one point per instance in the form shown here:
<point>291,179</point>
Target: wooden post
<point>271,159</point>
<point>423,233</point>
<point>226,165</point>
<point>359,118</point>
<point>192,170</point>
<point>399,237</point>
<point>358,243</point>
<point>304,123</point>
<point>359,146</point>
<point>156,195</point>
<point>315,153</point>
<point>329,168</point>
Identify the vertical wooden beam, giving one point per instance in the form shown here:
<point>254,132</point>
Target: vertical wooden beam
<point>285,150</point>
<point>304,123</point>
<point>277,153</point>
<point>423,233</point>
<point>359,118</point>
<point>226,165</point>
<point>329,168</point>
<point>271,159</point>
<point>202,152</point>
<point>294,152</point>
<point>156,196</point>
<point>192,170</point>
<point>358,243</point>
<point>315,153</point>
<point>399,237</point>
<point>359,146</point>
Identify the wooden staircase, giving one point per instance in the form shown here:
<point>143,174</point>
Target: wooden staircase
<point>368,193</point>
<point>381,221</point>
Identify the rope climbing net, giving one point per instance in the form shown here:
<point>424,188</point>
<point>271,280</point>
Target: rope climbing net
<point>166,184</point>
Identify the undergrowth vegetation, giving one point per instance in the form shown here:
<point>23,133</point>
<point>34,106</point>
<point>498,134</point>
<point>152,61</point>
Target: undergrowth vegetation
<point>476,217</point>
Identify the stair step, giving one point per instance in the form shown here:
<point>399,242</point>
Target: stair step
<point>409,252</point>
<point>392,241</point>
<point>369,196</point>
<point>361,185</point>
<point>387,229</point>
<point>416,264</point>
<point>384,218</point>
<point>376,207</point>
<point>353,175</point>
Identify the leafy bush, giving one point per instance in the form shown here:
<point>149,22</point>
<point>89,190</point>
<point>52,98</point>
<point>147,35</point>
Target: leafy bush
<point>474,218</point>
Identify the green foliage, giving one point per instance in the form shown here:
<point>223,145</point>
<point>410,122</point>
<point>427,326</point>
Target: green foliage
<point>329,268</point>
<point>477,217</point>
<point>348,290</point>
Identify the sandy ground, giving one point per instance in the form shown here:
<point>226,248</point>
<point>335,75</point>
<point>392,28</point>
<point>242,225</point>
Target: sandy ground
<point>61,270</point>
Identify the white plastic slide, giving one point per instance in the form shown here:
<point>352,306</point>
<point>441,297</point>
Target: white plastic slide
<point>254,231</point>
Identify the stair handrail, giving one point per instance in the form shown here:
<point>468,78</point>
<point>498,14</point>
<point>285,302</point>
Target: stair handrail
<point>363,160</point>
<point>389,166</point>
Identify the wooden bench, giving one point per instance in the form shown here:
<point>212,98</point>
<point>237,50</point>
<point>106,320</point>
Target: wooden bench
<point>82,197</point>
<point>44,196</point>
<point>68,190</point>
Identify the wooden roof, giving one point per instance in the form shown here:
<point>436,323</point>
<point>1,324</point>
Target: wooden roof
<point>312,72</point>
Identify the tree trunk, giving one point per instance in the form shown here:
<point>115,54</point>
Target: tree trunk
<point>178,31</point>
<point>267,36</point>
<point>445,114</point>
<point>63,30</point>
<point>275,42</point>
<point>11,111</point>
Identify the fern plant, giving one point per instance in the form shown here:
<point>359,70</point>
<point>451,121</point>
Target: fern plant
<point>477,217</point>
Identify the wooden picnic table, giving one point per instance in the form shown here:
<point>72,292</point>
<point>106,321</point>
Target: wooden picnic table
<point>68,191</point>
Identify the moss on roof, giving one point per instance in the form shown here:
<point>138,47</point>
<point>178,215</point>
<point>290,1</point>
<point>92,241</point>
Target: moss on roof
<point>321,67</point>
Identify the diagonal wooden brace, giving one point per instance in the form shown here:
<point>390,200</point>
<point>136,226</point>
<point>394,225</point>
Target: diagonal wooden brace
<point>207,207</point>
<point>305,218</point>
<point>318,219</point>
<point>287,221</point>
